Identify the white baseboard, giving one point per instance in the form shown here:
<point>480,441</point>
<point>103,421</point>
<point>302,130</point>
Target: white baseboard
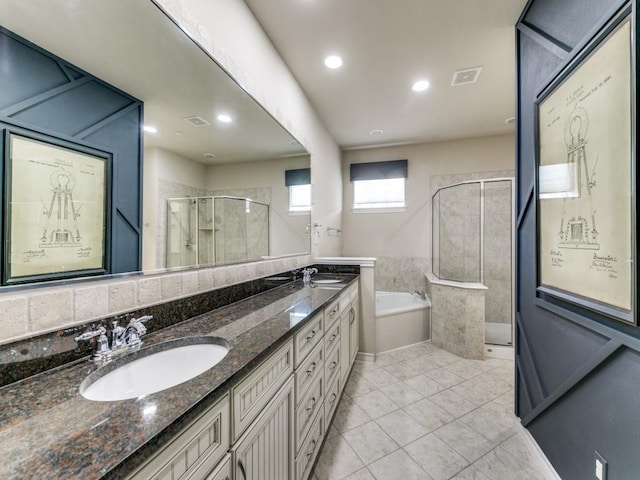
<point>498,351</point>
<point>535,448</point>
<point>365,357</point>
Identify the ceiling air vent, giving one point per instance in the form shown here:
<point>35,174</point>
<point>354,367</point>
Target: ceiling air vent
<point>196,121</point>
<point>466,76</point>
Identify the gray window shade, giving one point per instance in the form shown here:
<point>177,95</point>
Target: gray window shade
<point>301,176</point>
<point>379,170</point>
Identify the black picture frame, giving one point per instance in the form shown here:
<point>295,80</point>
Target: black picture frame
<point>71,214</point>
<point>586,177</point>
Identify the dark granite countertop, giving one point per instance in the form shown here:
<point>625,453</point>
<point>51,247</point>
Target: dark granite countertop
<point>49,431</point>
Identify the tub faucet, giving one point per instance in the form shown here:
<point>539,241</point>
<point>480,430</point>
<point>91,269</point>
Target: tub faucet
<point>420,293</point>
<point>306,275</point>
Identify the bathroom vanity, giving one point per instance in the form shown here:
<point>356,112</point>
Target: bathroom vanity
<point>261,413</point>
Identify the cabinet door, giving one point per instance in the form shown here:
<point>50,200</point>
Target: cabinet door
<point>354,331</point>
<point>344,347</point>
<point>265,451</point>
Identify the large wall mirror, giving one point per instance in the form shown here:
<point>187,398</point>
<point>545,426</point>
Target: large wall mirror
<point>215,162</point>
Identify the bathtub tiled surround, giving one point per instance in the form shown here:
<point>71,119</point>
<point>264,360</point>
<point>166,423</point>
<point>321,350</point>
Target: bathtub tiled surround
<point>400,274</point>
<point>422,413</point>
<point>457,316</point>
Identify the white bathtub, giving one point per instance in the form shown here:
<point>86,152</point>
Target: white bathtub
<point>402,319</point>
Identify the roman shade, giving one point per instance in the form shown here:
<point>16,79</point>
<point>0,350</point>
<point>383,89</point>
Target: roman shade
<point>300,176</point>
<point>379,170</point>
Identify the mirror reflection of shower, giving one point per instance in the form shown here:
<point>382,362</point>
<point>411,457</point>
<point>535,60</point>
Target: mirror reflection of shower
<point>216,230</point>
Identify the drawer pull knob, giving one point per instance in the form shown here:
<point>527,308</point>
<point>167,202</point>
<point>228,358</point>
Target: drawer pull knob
<point>313,404</point>
<point>334,364</point>
<point>313,447</point>
<point>313,367</point>
<point>311,335</point>
<point>352,314</point>
<point>333,398</point>
<point>333,337</point>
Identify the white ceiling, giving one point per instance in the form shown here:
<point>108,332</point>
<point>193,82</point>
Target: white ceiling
<point>389,44</point>
<point>146,55</point>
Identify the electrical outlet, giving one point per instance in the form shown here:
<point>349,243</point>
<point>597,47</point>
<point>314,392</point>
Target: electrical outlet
<point>601,467</point>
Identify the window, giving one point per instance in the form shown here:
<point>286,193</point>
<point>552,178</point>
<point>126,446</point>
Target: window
<point>379,185</point>
<point>299,183</point>
<point>299,198</point>
<point>385,193</point>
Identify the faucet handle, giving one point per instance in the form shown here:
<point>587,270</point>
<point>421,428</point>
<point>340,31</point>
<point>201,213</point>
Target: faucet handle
<point>90,334</point>
<point>101,352</point>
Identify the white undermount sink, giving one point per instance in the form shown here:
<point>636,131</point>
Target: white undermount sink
<point>325,281</point>
<point>160,367</point>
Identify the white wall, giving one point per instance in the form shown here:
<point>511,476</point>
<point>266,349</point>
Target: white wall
<point>408,234</point>
<point>230,33</point>
<point>160,164</point>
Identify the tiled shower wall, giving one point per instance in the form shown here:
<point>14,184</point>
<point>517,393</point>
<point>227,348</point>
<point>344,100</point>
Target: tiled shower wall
<point>401,274</point>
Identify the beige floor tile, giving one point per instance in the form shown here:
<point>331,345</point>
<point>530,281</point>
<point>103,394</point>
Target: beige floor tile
<point>453,403</point>
<point>424,363</point>
<point>435,457</point>
<point>402,427</point>
<point>470,473</point>
<point>349,415</point>
<point>444,377</point>
<point>402,394</point>
<point>500,464</point>
<point>398,466</point>
<point>402,370</point>
<point>429,414</point>
<point>467,368</point>
<point>489,425</point>
<point>357,385</point>
<point>363,474</point>
<point>370,442</point>
<point>464,440</point>
<point>362,366</point>
<point>376,404</point>
<point>380,378</point>
<point>424,385</point>
<point>337,460</point>
<point>474,392</point>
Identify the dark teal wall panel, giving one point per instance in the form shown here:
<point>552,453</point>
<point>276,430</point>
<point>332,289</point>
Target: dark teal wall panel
<point>43,94</point>
<point>578,373</point>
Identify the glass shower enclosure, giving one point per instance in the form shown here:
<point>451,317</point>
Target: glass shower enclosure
<point>473,235</point>
<point>216,231</point>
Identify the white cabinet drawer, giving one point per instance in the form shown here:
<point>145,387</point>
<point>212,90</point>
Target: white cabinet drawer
<point>332,338</point>
<point>254,392</point>
<point>331,313</point>
<point>307,338</point>
<point>310,448</point>
<point>332,364</point>
<point>222,471</point>
<point>331,399</point>
<point>308,371</point>
<point>307,410</point>
<point>193,452</point>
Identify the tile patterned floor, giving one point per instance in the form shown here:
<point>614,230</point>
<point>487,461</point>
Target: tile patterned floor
<point>422,413</point>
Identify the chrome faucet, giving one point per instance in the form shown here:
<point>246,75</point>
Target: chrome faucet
<point>420,293</point>
<point>123,339</point>
<point>306,275</point>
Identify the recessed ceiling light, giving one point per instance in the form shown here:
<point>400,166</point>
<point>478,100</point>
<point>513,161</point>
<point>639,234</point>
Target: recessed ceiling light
<point>209,155</point>
<point>333,61</point>
<point>150,129</point>
<point>420,86</point>
<point>376,133</point>
<point>510,120</point>
<point>224,118</point>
